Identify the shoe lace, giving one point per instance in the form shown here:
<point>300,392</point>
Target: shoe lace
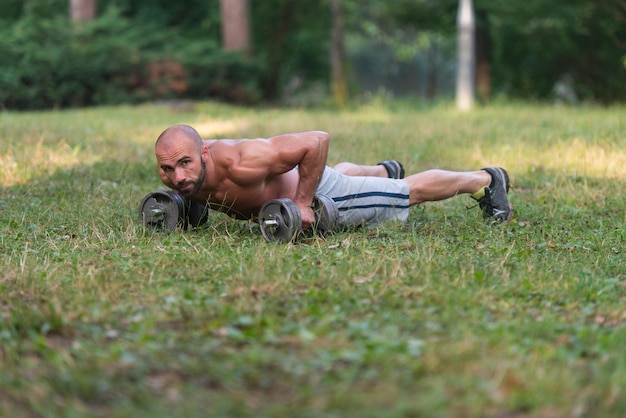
<point>484,203</point>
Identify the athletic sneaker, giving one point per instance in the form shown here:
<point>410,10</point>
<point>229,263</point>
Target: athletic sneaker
<point>394,169</point>
<point>493,199</point>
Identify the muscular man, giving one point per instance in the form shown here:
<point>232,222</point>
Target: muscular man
<point>238,176</point>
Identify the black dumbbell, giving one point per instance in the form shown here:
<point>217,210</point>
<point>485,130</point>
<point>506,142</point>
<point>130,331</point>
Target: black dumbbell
<point>164,210</point>
<point>280,219</point>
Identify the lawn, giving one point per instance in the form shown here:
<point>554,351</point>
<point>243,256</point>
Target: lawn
<point>444,316</point>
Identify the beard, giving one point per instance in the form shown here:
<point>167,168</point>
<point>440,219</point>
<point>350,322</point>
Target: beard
<point>191,188</point>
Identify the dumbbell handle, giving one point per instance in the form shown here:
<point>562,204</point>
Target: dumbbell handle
<point>280,219</point>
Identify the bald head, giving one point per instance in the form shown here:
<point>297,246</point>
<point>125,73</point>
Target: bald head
<point>181,158</point>
<point>179,134</point>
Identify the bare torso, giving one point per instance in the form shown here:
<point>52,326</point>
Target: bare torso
<point>232,187</point>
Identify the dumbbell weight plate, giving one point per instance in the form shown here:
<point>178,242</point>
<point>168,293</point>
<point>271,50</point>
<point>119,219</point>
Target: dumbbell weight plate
<point>196,214</point>
<point>161,210</point>
<point>326,213</point>
<point>280,220</point>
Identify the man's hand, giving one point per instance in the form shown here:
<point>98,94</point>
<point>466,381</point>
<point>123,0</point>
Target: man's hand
<point>307,151</point>
<point>308,216</point>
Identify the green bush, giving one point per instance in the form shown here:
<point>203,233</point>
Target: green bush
<point>49,63</point>
<point>225,75</point>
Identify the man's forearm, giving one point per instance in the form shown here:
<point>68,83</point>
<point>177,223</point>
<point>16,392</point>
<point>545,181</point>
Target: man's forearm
<point>311,168</point>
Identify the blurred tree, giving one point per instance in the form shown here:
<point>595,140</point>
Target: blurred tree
<point>192,19</point>
<point>339,83</point>
<point>235,25</point>
<point>483,55</point>
<point>466,53</point>
<point>82,10</point>
<point>524,47</point>
<point>41,9</point>
<point>413,38</point>
<point>11,10</point>
<point>291,42</point>
<point>537,43</point>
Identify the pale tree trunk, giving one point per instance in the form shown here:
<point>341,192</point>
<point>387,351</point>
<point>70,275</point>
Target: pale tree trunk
<point>82,10</point>
<point>466,50</point>
<point>235,25</point>
<point>339,84</point>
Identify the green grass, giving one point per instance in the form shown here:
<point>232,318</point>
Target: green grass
<point>443,316</point>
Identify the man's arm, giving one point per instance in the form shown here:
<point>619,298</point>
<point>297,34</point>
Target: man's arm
<point>310,149</point>
<point>281,153</point>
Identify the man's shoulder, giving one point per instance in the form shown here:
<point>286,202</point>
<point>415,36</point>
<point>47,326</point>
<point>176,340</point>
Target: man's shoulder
<point>233,143</point>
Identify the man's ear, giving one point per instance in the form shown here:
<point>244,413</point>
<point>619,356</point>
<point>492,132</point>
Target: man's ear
<point>204,154</point>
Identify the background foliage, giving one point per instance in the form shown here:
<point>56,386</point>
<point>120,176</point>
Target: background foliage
<point>406,47</point>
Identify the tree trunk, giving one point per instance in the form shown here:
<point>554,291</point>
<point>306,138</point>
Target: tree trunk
<point>82,10</point>
<point>339,85</point>
<point>235,25</point>
<point>483,56</point>
<point>465,71</point>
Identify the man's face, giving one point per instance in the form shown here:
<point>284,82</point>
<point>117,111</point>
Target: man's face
<point>182,166</point>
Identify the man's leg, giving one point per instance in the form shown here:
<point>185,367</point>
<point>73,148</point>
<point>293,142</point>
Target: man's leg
<point>351,169</point>
<point>489,187</point>
<point>433,185</point>
<point>388,168</point>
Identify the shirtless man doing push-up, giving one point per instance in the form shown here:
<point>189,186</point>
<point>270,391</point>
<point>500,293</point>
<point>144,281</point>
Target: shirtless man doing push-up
<point>237,176</point>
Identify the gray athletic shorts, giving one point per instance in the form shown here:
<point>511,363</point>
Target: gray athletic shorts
<point>365,200</point>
